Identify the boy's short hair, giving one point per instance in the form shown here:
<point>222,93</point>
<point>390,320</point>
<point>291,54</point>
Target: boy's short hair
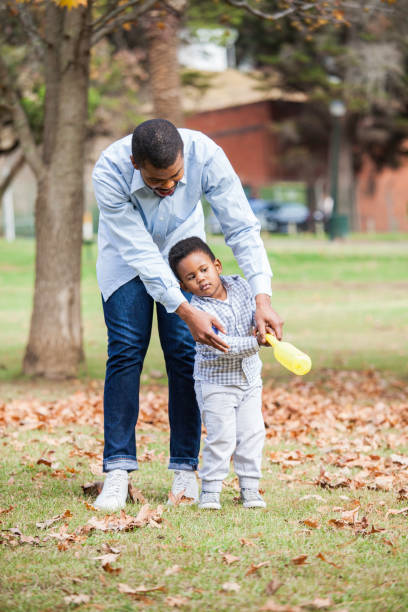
<point>181,249</point>
<point>157,141</point>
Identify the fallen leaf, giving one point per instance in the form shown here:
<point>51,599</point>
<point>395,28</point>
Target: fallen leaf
<point>272,586</point>
<point>92,488</point>
<point>305,497</point>
<point>255,567</point>
<point>77,599</point>
<point>44,462</point>
<point>229,559</point>
<point>54,519</point>
<point>174,569</point>
<point>300,560</point>
<point>312,523</point>
<point>246,542</point>
<point>392,512</point>
<point>180,498</point>
<point>111,570</point>
<point>230,586</point>
<point>136,495</point>
<point>140,590</point>
<point>176,602</point>
<point>323,557</point>
<point>319,603</point>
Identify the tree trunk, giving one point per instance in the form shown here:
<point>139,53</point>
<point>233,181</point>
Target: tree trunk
<point>55,347</point>
<point>162,27</point>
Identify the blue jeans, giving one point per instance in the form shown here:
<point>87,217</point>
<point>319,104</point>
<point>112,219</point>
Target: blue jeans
<point>128,317</point>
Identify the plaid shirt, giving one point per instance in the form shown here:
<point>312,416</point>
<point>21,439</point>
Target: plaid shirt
<point>241,365</point>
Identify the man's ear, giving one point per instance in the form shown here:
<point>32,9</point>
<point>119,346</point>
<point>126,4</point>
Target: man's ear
<point>132,159</point>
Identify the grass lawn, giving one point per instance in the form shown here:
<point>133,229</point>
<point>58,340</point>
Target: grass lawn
<point>343,303</point>
<point>327,540</point>
<point>335,474</point>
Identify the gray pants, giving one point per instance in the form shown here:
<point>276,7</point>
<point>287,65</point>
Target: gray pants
<point>233,418</point>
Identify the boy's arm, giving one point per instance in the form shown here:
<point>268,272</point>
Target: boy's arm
<point>239,346</point>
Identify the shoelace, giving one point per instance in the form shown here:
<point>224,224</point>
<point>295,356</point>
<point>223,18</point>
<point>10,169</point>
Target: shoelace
<point>114,484</point>
<point>182,481</point>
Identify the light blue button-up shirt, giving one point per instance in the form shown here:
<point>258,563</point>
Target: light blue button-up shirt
<point>138,228</point>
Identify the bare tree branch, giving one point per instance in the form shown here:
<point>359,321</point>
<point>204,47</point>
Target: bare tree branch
<point>302,6</point>
<point>26,20</point>
<point>323,8</point>
<point>14,169</point>
<point>118,12</point>
<point>21,125</point>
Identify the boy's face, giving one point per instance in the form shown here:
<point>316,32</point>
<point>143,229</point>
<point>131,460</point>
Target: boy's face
<point>200,275</point>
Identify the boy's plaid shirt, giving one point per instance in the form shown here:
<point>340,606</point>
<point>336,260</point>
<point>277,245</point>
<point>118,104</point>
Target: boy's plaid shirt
<point>241,365</point>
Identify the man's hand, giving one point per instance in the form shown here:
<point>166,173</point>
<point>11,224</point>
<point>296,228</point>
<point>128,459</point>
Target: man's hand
<point>266,317</point>
<point>200,325</point>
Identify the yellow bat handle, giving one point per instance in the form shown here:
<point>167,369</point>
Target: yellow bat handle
<point>289,356</point>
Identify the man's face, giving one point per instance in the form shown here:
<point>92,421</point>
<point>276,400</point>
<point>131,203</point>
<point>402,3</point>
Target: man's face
<point>163,181</point>
<point>200,275</point>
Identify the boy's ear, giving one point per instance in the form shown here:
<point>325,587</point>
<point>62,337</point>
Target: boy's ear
<point>182,285</point>
<point>218,265</point>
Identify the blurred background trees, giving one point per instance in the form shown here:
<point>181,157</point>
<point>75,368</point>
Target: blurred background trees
<point>73,70</point>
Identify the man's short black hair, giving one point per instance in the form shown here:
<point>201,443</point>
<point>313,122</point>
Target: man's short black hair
<point>156,141</point>
<point>184,247</point>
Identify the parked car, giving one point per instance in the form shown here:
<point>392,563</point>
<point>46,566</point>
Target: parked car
<point>258,205</point>
<point>280,215</point>
<point>273,216</point>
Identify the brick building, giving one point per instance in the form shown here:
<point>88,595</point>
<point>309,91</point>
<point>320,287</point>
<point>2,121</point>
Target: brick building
<point>239,117</point>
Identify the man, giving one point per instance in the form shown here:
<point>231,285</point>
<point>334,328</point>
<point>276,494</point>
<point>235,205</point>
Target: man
<point>148,188</point>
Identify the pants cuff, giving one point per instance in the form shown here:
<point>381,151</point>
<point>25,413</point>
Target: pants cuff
<point>120,463</point>
<point>246,482</point>
<point>178,464</point>
<point>211,486</point>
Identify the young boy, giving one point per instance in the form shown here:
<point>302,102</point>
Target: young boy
<point>228,385</point>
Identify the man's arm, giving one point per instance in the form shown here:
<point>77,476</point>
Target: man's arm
<point>241,228</point>
<point>125,229</point>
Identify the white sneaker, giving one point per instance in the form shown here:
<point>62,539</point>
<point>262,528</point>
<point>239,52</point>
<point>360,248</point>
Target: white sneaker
<point>209,501</point>
<point>114,493</point>
<point>184,483</point>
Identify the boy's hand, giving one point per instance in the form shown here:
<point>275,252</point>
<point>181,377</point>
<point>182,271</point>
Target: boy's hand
<point>201,325</point>
<point>266,317</point>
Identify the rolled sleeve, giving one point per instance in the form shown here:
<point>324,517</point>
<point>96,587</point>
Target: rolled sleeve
<point>260,284</point>
<point>172,299</point>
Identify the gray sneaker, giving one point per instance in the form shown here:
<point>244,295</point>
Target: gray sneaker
<point>209,501</point>
<point>251,498</point>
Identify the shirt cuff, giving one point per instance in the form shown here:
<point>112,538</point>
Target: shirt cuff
<point>261,283</point>
<point>172,298</point>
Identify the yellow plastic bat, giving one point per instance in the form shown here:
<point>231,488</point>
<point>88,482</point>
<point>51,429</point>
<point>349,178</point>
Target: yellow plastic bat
<point>289,356</point>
